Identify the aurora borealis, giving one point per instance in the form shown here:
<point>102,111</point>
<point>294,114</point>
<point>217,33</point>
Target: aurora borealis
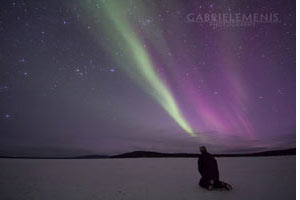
<point>100,76</point>
<point>142,64</point>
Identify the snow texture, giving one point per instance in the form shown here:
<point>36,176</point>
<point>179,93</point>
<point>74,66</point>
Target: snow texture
<point>253,178</point>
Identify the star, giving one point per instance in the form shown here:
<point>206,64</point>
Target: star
<point>22,60</point>
<point>7,116</point>
<point>145,22</point>
<point>3,89</point>
<point>279,91</point>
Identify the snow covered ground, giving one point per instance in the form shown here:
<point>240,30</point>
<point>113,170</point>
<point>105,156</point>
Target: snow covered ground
<point>145,178</point>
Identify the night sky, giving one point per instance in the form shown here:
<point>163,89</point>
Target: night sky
<point>106,77</point>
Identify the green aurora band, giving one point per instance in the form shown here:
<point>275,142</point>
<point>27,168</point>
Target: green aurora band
<point>140,64</point>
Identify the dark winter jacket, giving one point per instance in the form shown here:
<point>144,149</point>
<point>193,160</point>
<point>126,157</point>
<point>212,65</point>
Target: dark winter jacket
<point>208,167</point>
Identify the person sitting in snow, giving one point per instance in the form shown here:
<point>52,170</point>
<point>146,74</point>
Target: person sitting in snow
<point>208,168</point>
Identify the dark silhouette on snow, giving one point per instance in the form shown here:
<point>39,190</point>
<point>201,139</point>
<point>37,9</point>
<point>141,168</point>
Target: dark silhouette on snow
<point>208,168</point>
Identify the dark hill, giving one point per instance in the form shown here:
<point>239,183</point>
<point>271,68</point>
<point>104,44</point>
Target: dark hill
<point>149,154</point>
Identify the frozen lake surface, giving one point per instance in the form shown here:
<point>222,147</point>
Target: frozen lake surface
<point>253,178</point>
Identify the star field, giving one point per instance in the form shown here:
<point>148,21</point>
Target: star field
<point>110,76</point>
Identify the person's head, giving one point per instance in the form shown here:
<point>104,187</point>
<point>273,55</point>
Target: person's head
<point>203,149</point>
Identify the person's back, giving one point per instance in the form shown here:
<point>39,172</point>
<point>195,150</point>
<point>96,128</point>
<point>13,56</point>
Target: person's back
<point>208,168</point>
